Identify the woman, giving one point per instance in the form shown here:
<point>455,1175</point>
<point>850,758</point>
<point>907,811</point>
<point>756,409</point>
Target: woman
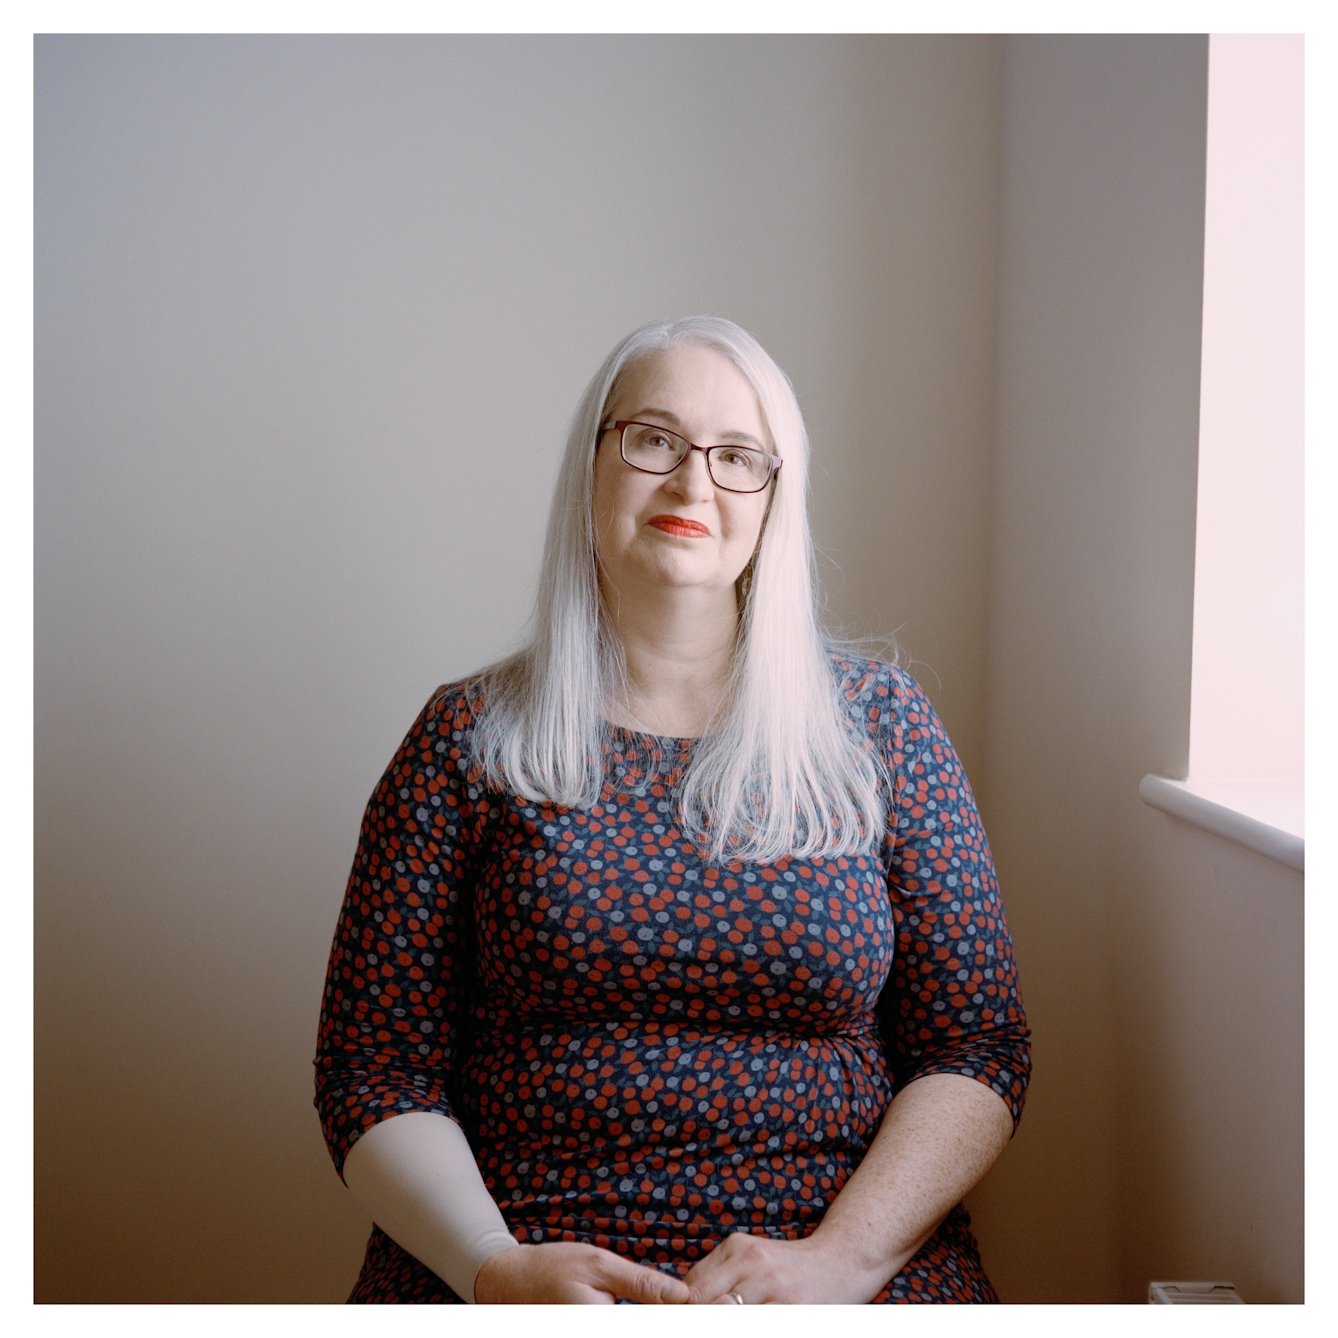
<point>672,944</point>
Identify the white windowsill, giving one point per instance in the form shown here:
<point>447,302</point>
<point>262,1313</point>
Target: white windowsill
<point>1265,816</point>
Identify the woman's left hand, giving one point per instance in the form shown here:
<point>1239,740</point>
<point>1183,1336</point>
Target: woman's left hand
<point>762,1271</point>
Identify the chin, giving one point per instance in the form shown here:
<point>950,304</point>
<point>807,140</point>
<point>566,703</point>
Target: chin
<point>681,574</point>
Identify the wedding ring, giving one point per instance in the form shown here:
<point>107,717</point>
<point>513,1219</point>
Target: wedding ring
<point>735,1298</point>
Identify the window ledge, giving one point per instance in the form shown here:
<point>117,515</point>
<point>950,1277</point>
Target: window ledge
<point>1263,816</point>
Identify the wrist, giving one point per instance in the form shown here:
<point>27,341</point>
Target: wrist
<point>492,1273</point>
<point>851,1260</point>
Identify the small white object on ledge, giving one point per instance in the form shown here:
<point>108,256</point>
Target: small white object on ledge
<point>1193,1293</point>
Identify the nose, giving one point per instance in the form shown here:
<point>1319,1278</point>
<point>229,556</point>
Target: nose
<point>692,480</point>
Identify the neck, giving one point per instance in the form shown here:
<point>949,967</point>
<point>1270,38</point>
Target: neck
<point>679,649</point>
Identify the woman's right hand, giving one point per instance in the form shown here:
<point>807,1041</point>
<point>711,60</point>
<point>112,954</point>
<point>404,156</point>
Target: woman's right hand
<point>567,1273</point>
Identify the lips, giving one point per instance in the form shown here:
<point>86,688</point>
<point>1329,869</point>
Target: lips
<point>680,527</point>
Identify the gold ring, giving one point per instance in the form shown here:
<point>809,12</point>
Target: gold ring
<point>735,1298</point>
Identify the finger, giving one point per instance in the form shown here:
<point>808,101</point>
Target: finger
<point>635,1282</point>
<point>581,1294</point>
<point>711,1263</point>
<point>748,1288</point>
<point>715,1286</point>
<point>712,1278</point>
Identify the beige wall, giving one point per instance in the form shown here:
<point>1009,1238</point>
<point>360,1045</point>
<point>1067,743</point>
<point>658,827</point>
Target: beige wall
<point>312,314</point>
<point>1161,966</point>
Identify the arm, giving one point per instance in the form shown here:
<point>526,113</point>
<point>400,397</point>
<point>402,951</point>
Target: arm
<point>401,965</point>
<point>399,989</point>
<point>939,1137</point>
<point>417,1176</point>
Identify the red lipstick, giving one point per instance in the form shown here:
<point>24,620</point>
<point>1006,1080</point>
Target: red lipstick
<point>680,526</point>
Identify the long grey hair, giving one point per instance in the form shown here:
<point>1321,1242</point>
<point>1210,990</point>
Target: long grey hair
<point>783,769</point>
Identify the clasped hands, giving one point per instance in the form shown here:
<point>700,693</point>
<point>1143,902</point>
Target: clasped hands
<point>760,1270</point>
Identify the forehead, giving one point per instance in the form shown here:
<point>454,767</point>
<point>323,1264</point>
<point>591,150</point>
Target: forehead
<point>691,381</point>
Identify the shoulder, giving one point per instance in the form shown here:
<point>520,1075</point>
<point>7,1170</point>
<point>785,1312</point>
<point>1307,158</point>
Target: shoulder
<point>884,696</point>
<point>454,706</point>
<point>443,729</point>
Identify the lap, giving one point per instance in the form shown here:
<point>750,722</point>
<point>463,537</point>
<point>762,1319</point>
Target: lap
<point>945,1271</point>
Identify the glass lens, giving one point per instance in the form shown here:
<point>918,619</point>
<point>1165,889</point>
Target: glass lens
<point>739,469</point>
<point>655,449</point>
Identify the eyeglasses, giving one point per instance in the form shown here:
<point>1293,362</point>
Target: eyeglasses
<point>656,450</point>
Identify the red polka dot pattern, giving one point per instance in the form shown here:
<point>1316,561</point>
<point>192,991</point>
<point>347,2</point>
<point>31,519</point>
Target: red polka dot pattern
<point>648,1051</point>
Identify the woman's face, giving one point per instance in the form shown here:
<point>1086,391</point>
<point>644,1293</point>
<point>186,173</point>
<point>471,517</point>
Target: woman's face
<point>639,518</point>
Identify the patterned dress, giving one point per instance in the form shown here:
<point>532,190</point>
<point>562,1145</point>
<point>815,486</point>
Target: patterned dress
<point>647,1051</point>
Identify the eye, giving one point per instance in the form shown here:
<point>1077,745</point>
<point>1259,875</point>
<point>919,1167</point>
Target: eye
<point>646,440</point>
<point>654,449</point>
<point>738,456</point>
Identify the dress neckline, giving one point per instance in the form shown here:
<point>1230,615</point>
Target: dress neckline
<point>677,739</point>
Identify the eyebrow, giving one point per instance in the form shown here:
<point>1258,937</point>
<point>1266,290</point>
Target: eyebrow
<point>675,421</point>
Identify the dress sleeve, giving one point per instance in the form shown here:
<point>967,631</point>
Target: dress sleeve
<point>951,1002</point>
<point>400,981</point>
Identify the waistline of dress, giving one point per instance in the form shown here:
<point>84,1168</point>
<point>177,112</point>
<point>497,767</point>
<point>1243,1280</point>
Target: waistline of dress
<point>551,1030</point>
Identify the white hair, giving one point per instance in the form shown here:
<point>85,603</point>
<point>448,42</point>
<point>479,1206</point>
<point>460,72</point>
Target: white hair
<point>783,769</point>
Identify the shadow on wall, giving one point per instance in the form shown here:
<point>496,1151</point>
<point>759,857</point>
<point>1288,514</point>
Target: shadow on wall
<point>1161,966</point>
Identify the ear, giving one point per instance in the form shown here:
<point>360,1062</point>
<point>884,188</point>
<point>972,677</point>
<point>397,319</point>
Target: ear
<point>743,587</point>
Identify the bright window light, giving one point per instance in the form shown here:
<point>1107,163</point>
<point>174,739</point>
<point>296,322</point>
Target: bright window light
<point>1246,718</point>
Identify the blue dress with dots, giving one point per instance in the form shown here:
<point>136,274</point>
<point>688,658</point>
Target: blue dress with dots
<point>649,1052</point>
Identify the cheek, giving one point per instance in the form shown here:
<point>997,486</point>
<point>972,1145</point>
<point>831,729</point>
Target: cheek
<point>616,501</point>
<point>745,524</point>
<point>604,494</point>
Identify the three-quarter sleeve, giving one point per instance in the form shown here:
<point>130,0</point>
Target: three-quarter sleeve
<point>399,984</point>
<point>951,1003</point>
